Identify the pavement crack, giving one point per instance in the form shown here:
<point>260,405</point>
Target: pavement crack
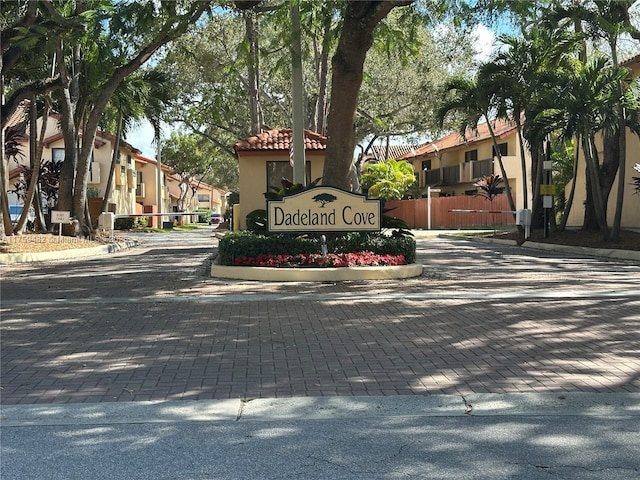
<point>467,406</point>
<point>243,402</point>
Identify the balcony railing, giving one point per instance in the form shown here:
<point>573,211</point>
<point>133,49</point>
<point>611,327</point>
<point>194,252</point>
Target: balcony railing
<point>483,168</point>
<point>451,175</point>
<point>433,177</point>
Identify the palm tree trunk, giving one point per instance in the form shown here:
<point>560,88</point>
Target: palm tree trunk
<point>114,160</point>
<point>569,203</point>
<point>503,172</point>
<point>523,163</point>
<point>622,138</point>
<point>596,190</point>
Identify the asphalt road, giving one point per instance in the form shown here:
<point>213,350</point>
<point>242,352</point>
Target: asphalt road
<point>499,362</point>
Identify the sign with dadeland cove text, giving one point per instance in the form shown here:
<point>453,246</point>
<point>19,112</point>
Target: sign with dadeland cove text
<point>324,209</point>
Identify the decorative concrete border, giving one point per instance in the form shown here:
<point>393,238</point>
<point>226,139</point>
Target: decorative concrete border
<point>340,274</point>
<point>68,254</point>
<point>633,255</point>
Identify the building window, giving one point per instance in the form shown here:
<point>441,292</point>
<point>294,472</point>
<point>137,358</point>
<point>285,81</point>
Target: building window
<point>426,165</point>
<point>57,154</point>
<point>276,171</point>
<point>471,156</point>
<point>203,198</point>
<point>502,148</point>
<point>139,175</point>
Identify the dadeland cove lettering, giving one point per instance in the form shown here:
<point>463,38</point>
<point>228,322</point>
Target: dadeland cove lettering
<point>323,209</point>
<point>308,218</point>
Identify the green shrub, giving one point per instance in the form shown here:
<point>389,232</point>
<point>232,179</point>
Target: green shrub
<point>236,244</point>
<point>131,223</point>
<point>141,222</point>
<point>257,221</point>
<point>124,223</point>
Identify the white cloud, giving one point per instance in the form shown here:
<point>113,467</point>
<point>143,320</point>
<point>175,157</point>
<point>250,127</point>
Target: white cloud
<point>484,42</point>
<point>142,138</point>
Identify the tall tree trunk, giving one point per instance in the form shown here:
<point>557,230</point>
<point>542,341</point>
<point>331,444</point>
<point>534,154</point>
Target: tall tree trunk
<point>253,69</point>
<point>622,171</point>
<point>599,206</point>
<point>523,162</point>
<point>622,149</point>
<point>360,20</point>
<point>537,212</point>
<point>68,103</point>
<point>322,69</point>
<point>507,187</point>
<point>112,168</point>
<point>35,158</point>
<point>569,203</point>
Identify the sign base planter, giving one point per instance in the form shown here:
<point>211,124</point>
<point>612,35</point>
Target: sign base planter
<point>323,274</point>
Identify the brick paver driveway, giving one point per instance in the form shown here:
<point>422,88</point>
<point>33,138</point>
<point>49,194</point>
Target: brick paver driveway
<point>149,324</point>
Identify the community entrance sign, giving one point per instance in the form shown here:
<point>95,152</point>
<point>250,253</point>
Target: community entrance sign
<point>324,209</point>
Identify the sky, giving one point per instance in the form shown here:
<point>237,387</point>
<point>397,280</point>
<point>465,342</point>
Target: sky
<point>141,137</point>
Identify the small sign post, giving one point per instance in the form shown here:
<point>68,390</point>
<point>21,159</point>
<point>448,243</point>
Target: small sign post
<point>60,217</point>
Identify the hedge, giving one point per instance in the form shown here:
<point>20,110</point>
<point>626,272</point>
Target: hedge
<point>248,244</point>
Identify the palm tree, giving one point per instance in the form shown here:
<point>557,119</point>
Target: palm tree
<point>474,100</point>
<point>518,74</point>
<point>585,101</point>
<point>607,20</point>
<point>127,107</point>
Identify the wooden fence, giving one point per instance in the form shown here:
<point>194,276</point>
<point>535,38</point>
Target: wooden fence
<point>415,212</point>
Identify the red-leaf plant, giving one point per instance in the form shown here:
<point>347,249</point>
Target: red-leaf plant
<point>362,259</point>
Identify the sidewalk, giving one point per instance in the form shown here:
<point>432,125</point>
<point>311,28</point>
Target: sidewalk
<point>524,437</point>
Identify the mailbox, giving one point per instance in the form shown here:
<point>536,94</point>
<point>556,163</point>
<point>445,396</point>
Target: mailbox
<point>523,217</point>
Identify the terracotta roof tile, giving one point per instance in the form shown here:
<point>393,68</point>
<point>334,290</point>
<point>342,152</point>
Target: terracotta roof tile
<point>631,61</point>
<point>381,153</point>
<point>280,139</point>
<point>18,120</point>
<point>500,128</point>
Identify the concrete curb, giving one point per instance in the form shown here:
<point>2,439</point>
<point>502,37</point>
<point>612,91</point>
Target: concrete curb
<point>13,258</point>
<point>595,252</point>
<point>324,408</point>
<point>632,255</point>
<point>272,274</point>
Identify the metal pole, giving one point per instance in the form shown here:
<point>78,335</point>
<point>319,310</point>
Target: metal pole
<point>428,208</point>
<point>159,178</point>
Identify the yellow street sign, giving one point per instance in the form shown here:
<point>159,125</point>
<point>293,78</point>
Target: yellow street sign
<point>547,189</point>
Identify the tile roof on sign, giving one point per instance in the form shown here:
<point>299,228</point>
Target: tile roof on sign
<point>280,139</point>
<point>384,152</point>
<point>454,139</point>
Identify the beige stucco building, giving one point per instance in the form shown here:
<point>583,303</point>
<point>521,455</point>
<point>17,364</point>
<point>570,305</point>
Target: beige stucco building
<point>264,160</point>
<point>631,202</point>
<point>134,185</point>
<point>453,164</point>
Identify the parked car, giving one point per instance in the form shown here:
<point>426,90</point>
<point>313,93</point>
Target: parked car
<point>215,219</point>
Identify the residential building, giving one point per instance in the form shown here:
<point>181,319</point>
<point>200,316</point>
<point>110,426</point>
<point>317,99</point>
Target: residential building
<point>453,163</point>
<point>631,201</point>
<point>134,184</point>
<point>264,161</point>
